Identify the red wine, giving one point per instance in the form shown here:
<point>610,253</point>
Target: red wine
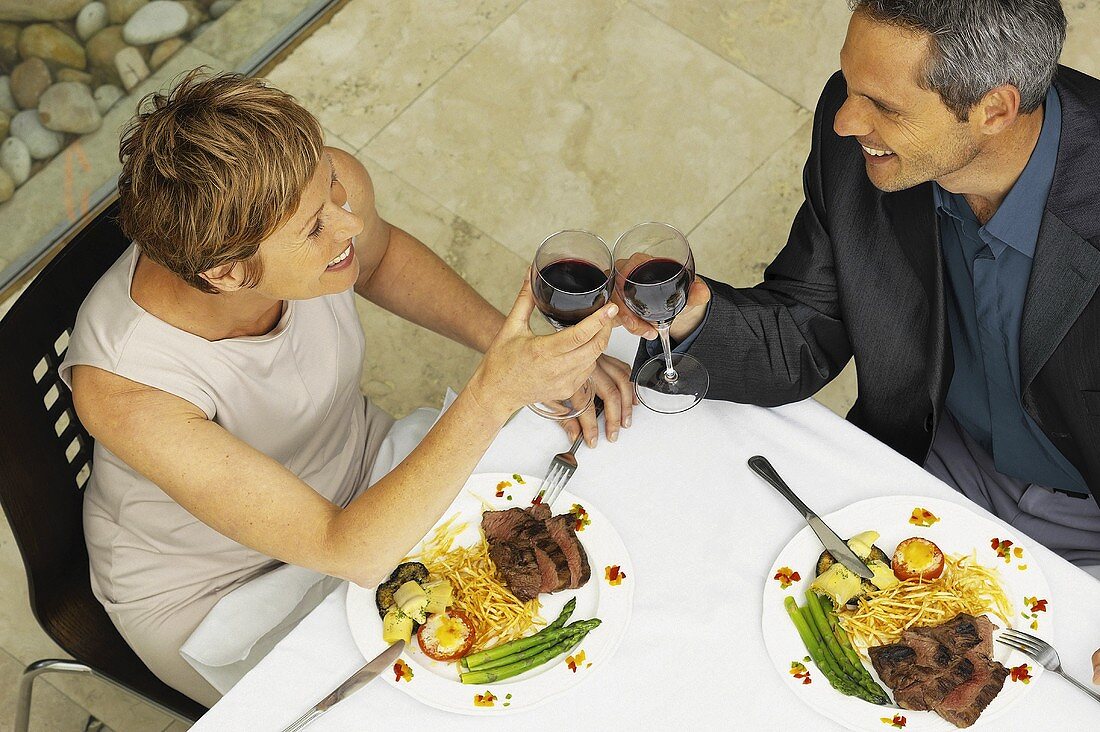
<point>569,290</point>
<point>656,290</point>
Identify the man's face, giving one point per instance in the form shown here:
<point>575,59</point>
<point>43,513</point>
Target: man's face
<point>888,112</point>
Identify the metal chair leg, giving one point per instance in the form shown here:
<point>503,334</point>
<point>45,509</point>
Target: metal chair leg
<point>58,665</point>
<point>93,725</point>
<point>26,685</point>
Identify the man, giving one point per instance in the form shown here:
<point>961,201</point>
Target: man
<point>949,242</point>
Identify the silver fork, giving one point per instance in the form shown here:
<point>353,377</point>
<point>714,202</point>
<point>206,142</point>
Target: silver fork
<point>1039,650</point>
<point>561,470</point>
<point>562,466</point>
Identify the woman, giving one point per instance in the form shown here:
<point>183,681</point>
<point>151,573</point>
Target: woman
<point>217,365</point>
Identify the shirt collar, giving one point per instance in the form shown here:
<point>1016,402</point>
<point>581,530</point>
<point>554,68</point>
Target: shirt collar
<point>1017,220</point>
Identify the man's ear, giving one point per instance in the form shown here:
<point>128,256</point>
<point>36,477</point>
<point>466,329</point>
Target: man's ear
<point>225,277</point>
<point>997,110</point>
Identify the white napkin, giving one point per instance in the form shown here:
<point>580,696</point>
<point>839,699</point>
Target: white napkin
<point>247,623</point>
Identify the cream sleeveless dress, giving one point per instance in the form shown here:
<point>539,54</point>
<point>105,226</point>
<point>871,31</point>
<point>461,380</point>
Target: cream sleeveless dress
<point>292,394</point>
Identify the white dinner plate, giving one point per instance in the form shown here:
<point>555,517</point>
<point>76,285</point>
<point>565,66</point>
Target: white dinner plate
<point>959,531</point>
<point>437,684</point>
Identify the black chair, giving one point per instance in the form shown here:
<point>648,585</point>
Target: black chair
<point>45,461</point>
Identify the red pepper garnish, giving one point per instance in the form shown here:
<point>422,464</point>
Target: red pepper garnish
<point>501,486</point>
<point>1037,606</point>
<point>581,515</point>
<point>786,577</point>
<point>1021,673</point>
<point>922,517</point>
<point>613,575</point>
<point>799,671</point>
<point>897,721</point>
<point>402,672</point>
<point>484,700</point>
<point>1003,548</point>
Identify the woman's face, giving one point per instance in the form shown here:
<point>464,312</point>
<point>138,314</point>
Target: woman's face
<point>312,253</point>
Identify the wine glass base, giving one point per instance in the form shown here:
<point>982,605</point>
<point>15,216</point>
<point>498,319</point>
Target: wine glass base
<point>563,409</point>
<point>660,394</point>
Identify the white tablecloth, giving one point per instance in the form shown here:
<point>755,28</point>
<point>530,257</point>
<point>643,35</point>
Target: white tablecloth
<point>679,492</point>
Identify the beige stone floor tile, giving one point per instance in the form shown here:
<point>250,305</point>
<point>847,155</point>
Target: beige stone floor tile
<point>585,114</point>
<point>792,46</point>
<point>742,236</point>
<point>254,21</point>
<point>22,639</point>
<point>407,366</point>
<point>119,710</point>
<point>358,72</point>
<point>60,191</point>
<point>51,711</point>
<point>177,727</point>
<point>5,306</point>
<point>1082,49</point>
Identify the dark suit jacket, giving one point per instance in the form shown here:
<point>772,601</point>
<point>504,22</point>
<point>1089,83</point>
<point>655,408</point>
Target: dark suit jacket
<point>862,274</point>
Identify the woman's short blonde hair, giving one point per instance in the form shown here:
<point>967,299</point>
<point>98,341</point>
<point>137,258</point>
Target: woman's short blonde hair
<point>212,169</point>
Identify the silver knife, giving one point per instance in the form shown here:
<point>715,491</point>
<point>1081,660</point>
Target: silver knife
<point>836,546</point>
<point>372,669</point>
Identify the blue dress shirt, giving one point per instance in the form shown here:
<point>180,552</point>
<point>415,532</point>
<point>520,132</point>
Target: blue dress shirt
<point>987,271</point>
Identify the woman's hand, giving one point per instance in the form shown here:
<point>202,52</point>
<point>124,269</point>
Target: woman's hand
<point>611,378</point>
<point>521,368</point>
<point>1096,668</point>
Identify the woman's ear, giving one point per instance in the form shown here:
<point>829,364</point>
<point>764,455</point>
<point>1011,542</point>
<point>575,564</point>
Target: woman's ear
<point>225,277</point>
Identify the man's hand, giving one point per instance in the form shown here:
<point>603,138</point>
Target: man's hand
<point>684,324</point>
<point>1096,668</point>
<point>612,381</point>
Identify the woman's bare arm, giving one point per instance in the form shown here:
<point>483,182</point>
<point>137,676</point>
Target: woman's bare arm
<point>254,500</point>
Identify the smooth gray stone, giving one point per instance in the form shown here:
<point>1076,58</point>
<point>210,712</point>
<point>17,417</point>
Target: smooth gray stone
<point>15,159</point>
<point>68,106</point>
<point>41,142</point>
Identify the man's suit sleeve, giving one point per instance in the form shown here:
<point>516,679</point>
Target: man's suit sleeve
<point>782,340</point>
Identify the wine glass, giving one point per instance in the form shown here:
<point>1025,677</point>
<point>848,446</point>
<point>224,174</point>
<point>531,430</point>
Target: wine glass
<point>653,271</point>
<point>570,280</point>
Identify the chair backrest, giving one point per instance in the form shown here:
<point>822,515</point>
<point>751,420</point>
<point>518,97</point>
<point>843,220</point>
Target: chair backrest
<point>46,459</point>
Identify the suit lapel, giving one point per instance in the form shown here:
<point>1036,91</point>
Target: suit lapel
<point>1064,278</point>
<point>1066,271</point>
<point>913,221</point>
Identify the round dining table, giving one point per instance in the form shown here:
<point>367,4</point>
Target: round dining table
<point>702,531</point>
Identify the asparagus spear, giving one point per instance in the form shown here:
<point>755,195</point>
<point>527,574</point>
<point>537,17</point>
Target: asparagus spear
<point>824,663</point>
<point>563,615</point>
<point>825,633</point>
<point>474,660</point>
<point>569,641</point>
<point>855,672</point>
<point>846,646</point>
<point>532,651</point>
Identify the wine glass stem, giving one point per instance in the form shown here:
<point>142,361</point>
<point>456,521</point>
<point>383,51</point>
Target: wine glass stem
<point>666,345</point>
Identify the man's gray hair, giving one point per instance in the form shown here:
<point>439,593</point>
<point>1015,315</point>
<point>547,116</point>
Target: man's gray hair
<point>978,45</point>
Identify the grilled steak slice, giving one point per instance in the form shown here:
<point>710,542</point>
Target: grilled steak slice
<point>945,668</point>
<point>503,525</point>
<point>517,566</point>
<point>539,510</point>
<point>517,527</point>
<point>927,693</point>
<point>930,652</point>
<point>562,531</point>
<point>969,699</point>
<point>960,634</point>
<point>551,559</point>
<point>896,665</point>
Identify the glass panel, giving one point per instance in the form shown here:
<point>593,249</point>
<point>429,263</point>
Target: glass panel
<point>71,75</point>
